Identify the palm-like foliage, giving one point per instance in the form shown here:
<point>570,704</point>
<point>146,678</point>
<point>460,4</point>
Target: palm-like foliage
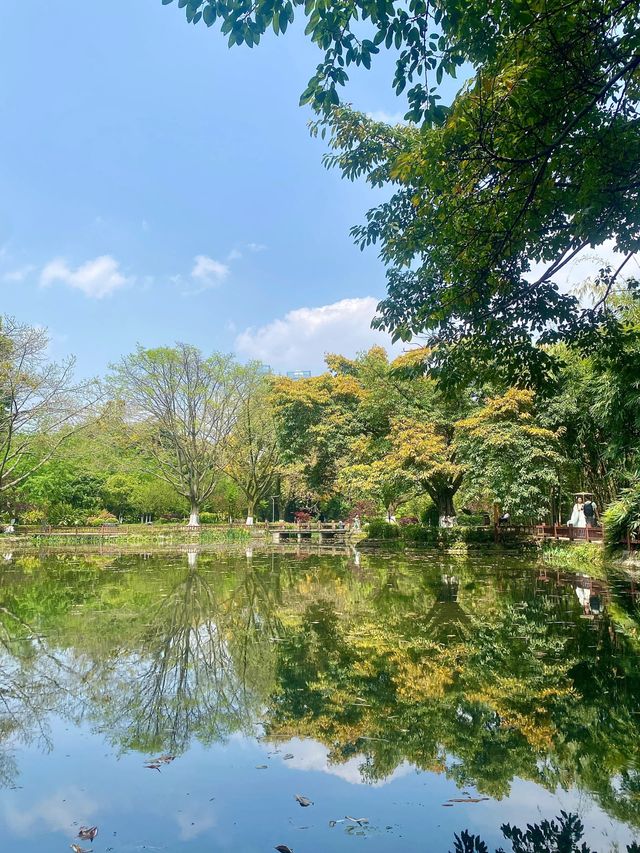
<point>622,518</point>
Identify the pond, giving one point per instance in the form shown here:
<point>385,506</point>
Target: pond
<point>181,701</point>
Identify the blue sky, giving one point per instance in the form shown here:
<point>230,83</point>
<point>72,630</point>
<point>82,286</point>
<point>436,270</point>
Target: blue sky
<point>157,186</point>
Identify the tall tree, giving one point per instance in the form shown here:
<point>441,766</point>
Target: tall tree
<point>536,158</point>
<point>253,457</point>
<point>41,404</point>
<point>428,452</point>
<point>509,457</point>
<point>185,407</point>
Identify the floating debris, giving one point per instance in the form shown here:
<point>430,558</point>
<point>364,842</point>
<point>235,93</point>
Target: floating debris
<point>288,756</point>
<point>262,766</point>
<point>360,821</point>
<point>162,759</point>
<point>467,799</point>
<point>282,848</point>
<point>304,801</point>
<point>87,833</point>
<point>77,849</point>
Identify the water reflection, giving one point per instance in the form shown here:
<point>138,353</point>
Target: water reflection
<point>483,673</point>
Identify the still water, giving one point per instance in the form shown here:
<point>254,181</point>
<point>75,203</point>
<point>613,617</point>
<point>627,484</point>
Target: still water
<point>416,695</point>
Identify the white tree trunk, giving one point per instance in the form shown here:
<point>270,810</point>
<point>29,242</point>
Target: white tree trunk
<point>249,519</point>
<point>194,518</point>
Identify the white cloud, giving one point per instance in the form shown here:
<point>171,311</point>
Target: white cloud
<point>18,275</point>
<point>585,266</point>
<point>96,279</point>
<point>208,272</point>
<point>300,340</point>
<point>387,118</point>
<point>256,247</point>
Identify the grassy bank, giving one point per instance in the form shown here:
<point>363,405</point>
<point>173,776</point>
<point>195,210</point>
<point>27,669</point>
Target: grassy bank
<point>583,557</point>
<point>150,536</point>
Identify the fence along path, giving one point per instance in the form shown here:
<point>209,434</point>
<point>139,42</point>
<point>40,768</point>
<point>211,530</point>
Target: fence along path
<point>283,532</point>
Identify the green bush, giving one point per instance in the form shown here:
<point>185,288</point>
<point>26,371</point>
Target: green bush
<point>622,518</point>
<point>379,529</point>
<point>66,515</point>
<point>103,517</point>
<point>444,537</point>
<point>470,519</point>
<point>209,518</point>
<point>33,516</point>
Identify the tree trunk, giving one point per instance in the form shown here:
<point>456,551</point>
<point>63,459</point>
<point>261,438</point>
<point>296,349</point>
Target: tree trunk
<point>251,512</point>
<point>446,508</point>
<point>194,517</point>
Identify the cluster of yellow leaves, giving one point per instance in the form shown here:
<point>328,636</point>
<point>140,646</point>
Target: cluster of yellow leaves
<point>513,407</point>
<point>422,446</point>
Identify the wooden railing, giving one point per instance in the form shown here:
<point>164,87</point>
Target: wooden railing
<point>539,531</point>
<point>115,530</point>
<point>568,531</point>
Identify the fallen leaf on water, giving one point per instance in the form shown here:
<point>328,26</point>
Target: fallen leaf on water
<point>282,848</point>
<point>261,767</point>
<point>288,756</point>
<point>359,820</point>
<point>162,759</point>
<point>468,799</point>
<point>153,767</point>
<point>447,805</point>
<point>87,833</point>
<point>77,849</point>
<point>304,801</point>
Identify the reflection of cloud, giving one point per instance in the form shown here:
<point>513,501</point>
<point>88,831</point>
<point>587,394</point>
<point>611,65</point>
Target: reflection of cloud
<point>311,755</point>
<point>196,820</point>
<point>58,811</point>
<point>530,803</point>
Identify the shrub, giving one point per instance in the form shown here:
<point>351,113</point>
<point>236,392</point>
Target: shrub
<point>364,509</point>
<point>622,518</point>
<point>407,519</point>
<point>103,517</point>
<point>444,537</point>
<point>471,519</point>
<point>208,517</point>
<point>33,516</point>
<point>66,515</point>
<point>379,529</point>
<point>302,517</point>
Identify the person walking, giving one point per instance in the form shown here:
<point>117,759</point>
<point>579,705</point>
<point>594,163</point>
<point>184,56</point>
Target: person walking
<point>590,510</point>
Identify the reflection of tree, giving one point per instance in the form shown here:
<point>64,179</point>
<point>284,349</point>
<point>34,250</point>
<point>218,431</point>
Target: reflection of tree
<point>445,664</point>
<point>469,679</point>
<point>31,682</point>
<point>182,680</point>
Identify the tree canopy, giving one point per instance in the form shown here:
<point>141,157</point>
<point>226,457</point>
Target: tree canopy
<point>535,159</point>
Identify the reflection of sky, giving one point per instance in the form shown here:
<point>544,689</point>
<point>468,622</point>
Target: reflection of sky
<point>216,799</point>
